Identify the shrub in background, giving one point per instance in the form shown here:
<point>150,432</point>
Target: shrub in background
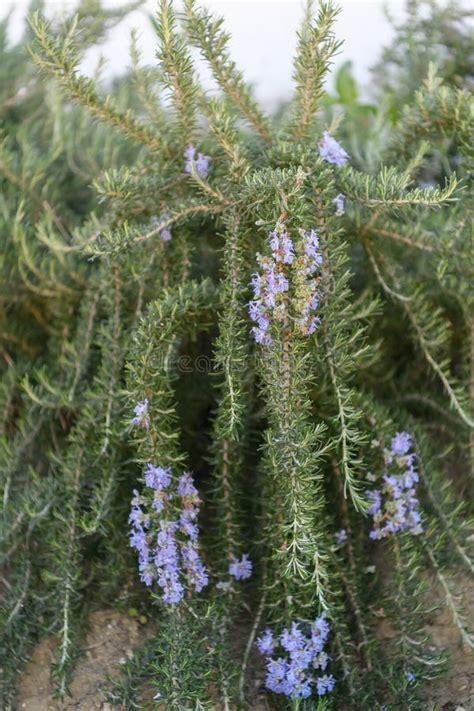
<point>235,356</point>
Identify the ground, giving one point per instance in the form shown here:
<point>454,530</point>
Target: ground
<point>113,635</point>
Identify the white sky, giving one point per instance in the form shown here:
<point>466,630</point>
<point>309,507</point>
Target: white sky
<point>263,37</point>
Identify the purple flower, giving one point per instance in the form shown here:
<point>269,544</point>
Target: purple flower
<point>200,163</point>
<point>289,262</point>
<point>137,516</point>
<point>261,336</point>
<point>265,643</point>
<point>376,504</point>
<point>410,677</point>
<point>312,324</point>
<point>321,661</point>
<point>395,507</point>
<point>293,674</point>
<point>331,150</point>
<point>256,283</point>
<point>287,248</point>
<point>194,567</point>
<point>339,202</point>
<point>166,534</point>
<point>187,525</point>
<point>166,560</point>
<point>320,630</point>
<point>138,540</point>
<point>341,537</point>
<point>276,673</point>
<point>311,248</point>
<point>241,569</point>
<point>186,486</point>
<point>255,310</point>
<point>325,684</point>
<point>157,477</point>
<point>282,247</point>
<point>401,443</point>
<point>300,688</point>
<point>292,640</point>
<point>165,232</point>
<point>141,418</point>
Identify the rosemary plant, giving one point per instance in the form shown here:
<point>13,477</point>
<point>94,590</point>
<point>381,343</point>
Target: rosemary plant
<point>237,368</point>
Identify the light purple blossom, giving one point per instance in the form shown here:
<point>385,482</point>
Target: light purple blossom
<point>291,267</point>
<point>265,643</point>
<point>293,639</point>
<point>194,567</point>
<point>141,418</point>
<point>401,443</point>
<point>186,486</point>
<point>282,247</point>
<point>139,539</point>
<point>199,162</point>
<point>395,506</point>
<point>376,505</point>
<point>165,534</point>
<point>277,670</point>
<point>137,516</point>
<point>166,560</point>
<point>261,336</point>
<point>241,569</point>
<point>157,477</point>
<point>410,677</point>
<point>319,632</point>
<point>165,234</point>
<point>187,525</point>
<point>325,684</point>
<point>311,248</point>
<point>292,671</point>
<point>332,151</point>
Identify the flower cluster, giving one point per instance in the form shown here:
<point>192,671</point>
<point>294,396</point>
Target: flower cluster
<point>394,506</point>
<point>295,262</point>
<point>294,672</point>
<point>165,533</point>
<point>331,150</point>
<point>199,163</point>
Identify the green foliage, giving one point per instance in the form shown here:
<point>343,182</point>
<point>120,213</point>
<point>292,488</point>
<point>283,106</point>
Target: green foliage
<point>99,312</point>
<point>430,31</point>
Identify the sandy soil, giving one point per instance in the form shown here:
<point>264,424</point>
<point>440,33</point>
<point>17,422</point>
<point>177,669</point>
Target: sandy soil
<point>110,641</point>
<point>455,691</point>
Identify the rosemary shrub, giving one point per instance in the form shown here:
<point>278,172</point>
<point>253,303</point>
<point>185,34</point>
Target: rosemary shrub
<point>237,367</point>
